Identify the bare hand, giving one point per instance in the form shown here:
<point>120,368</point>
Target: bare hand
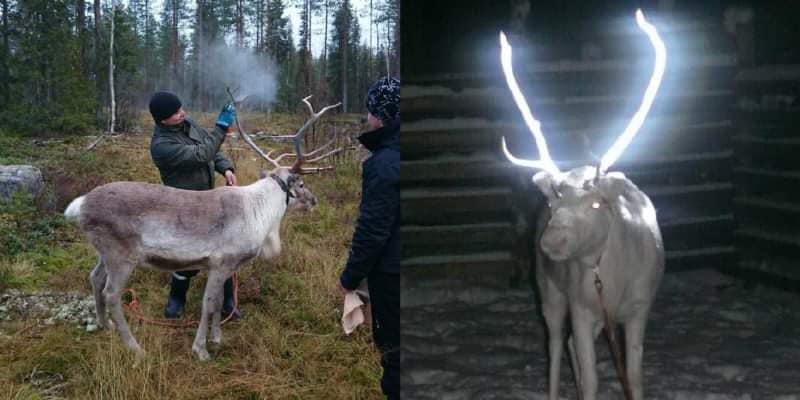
<point>230,178</point>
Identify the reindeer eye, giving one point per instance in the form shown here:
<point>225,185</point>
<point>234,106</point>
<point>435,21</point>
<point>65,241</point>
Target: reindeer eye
<point>595,205</point>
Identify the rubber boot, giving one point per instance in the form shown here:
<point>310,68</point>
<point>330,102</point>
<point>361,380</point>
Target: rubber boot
<point>228,303</point>
<point>177,297</point>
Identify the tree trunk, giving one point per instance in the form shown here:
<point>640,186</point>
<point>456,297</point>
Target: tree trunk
<point>369,53</point>
<point>174,46</point>
<point>80,21</point>
<point>259,24</point>
<point>307,55</point>
<point>200,49</point>
<point>344,46</point>
<point>147,46</point>
<point>6,55</point>
<point>240,23</point>
<point>397,41</point>
<point>111,71</point>
<point>388,47</point>
<point>96,62</point>
<point>323,77</point>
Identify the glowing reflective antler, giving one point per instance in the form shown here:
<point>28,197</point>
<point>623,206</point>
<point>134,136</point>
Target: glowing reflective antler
<point>649,95</point>
<point>545,162</point>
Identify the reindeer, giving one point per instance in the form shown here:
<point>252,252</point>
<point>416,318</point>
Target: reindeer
<point>599,253</point>
<point>169,229</point>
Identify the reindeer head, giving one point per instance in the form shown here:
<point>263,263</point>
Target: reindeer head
<point>582,201</point>
<point>290,177</point>
<point>298,197</point>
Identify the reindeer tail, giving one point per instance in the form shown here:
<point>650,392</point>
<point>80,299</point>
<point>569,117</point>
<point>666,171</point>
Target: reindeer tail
<point>74,209</point>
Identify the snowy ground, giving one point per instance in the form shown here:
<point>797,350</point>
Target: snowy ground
<point>709,338</point>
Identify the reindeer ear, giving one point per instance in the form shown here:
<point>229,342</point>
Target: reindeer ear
<point>613,185</point>
<point>544,180</point>
<point>263,174</point>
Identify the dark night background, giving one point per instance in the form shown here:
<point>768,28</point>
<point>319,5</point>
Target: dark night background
<point>717,155</point>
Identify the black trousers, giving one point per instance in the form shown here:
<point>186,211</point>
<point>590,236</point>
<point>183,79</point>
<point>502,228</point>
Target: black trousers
<point>384,295</point>
<point>191,274</point>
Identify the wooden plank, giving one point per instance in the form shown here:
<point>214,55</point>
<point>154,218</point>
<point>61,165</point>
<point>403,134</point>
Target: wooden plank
<point>685,169</point>
<point>660,137</point>
<point>767,153</point>
<point>467,171</point>
<point>689,234</point>
<point>455,206</point>
<point>457,136</point>
<point>676,202</point>
<point>702,258</point>
<point>494,104</point>
<point>755,117</point>
<point>768,184</point>
<point>712,66</point>
<point>488,269</point>
<point>766,215</point>
<point>456,239</point>
<point>768,243</point>
<point>755,266</point>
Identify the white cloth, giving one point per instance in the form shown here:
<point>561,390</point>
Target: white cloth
<point>355,310</point>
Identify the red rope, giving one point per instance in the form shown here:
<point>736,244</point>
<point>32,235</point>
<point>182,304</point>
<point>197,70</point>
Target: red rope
<point>133,307</point>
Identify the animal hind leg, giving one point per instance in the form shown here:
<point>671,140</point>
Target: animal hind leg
<point>212,303</point>
<point>117,275</point>
<point>98,279</point>
<point>634,339</point>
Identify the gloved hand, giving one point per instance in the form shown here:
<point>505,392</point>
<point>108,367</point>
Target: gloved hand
<point>227,116</point>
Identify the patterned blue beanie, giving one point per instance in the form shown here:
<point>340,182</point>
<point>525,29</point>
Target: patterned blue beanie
<point>383,99</point>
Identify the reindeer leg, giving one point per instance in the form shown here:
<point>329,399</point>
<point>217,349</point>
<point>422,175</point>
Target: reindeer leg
<point>98,279</point>
<point>554,309</point>
<point>634,338</point>
<point>584,326</point>
<point>216,311</point>
<point>573,356</point>
<point>212,302</point>
<point>118,273</point>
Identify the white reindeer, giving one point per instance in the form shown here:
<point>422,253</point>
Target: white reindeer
<point>169,229</point>
<point>599,229</point>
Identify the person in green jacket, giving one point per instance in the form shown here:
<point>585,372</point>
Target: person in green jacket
<point>187,157</point>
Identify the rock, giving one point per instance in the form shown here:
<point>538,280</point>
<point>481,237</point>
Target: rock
<point>91,327</point>
<point>15,177</point>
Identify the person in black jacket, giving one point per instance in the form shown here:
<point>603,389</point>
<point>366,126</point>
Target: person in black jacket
<point>375,251</point>
<point>187,157</point>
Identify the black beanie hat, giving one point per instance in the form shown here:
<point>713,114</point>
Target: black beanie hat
<point>163,105</point>
<point>383,99</point>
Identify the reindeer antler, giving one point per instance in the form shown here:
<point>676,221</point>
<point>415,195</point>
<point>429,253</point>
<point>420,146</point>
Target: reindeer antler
<point>636,122</point>
<point>300,158</point>
<point>546,163</point>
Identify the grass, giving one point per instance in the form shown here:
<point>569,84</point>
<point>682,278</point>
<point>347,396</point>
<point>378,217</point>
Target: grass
<point>290,345</point>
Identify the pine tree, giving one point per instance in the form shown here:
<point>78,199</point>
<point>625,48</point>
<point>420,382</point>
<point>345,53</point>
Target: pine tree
<point>287,97</point>
<point>130,91</point>
<point>5,73</point>
<point>340,72</point>
<point>390,17</point>
<point>50,93</point>
<point>172,48</point>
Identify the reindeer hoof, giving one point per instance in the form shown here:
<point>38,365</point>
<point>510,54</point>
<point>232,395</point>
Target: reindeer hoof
<point>202,354</point>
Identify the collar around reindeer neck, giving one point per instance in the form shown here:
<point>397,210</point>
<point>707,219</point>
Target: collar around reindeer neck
<point>284,186</point>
